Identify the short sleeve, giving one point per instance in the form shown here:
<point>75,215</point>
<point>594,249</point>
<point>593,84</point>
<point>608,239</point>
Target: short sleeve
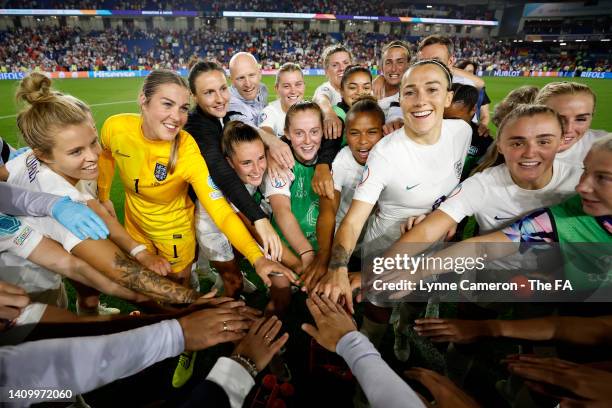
<point>465,200</point>
<point>271,186</point>
<point>322,90</point>
<point>339,171</point>
<point>466,131</point>
<point>268,118</point>
<point>327,90</point>
<point>374,179</point>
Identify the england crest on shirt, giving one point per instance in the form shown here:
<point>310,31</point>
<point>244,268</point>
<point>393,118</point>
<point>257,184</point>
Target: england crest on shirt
<point>161,172</point>
<point>278,183</point>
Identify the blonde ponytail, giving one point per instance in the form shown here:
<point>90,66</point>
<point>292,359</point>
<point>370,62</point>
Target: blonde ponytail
<point>152,82</point>
<point>46,111</point>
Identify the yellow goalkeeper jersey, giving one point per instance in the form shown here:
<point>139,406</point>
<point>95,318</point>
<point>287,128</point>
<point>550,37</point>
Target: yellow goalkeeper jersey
<point>157,201</point>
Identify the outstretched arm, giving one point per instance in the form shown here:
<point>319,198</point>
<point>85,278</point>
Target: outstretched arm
<point>19,201</point>
<point>127,244</point>
<point>336,331</point>
<point>332,125</point>
<point>587,331</point>
<point>478,82</point>
<point>105,257</point>
<point>289,259</point>
<point>281,207</point>
<point>335,284</point>
<point>52,256</point>
<point>326,225</point>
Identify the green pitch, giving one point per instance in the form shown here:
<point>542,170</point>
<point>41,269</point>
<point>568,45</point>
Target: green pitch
<point>116,95</point>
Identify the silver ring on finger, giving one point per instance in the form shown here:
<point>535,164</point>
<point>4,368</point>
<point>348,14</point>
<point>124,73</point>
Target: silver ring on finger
<point>225,326</point>
<point>268,339</point>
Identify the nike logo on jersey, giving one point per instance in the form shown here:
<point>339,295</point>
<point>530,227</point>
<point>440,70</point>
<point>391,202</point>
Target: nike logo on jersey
<point>411,187</point>
<point>118,153</point>
<point>502,218</point>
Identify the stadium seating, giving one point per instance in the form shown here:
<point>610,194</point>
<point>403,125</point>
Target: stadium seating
<point>297,6</point>
<point>71,49</point>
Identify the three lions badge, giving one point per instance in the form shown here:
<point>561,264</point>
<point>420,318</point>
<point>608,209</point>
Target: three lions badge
<point>161,172</point>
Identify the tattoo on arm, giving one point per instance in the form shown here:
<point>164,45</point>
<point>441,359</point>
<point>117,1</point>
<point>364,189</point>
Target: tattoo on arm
<point>137,277</point>
<point>339,257</point>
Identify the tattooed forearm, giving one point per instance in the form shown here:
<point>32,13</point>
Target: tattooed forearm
<point>339,257</point>
<point>137,277</point>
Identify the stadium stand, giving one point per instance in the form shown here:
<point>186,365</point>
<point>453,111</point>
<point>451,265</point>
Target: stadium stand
<point>296,6</point>
<point>599,25</point>
<point>72,49</point>
<point>99,51</point>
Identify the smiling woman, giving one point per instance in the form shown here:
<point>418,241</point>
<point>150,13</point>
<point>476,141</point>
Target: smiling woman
<point>428,152</point>
<point>157,162</point>
<point>528,177</point>
<point>206,122</point>
<point>295,206</point>
<point>356,82</point>
<point>575,104</point>
<point>583,218</point>
<point>64,161</point>
<point>290,87</point>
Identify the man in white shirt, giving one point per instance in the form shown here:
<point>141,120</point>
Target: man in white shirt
<point>248,98</point>
<point>248,95</point>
